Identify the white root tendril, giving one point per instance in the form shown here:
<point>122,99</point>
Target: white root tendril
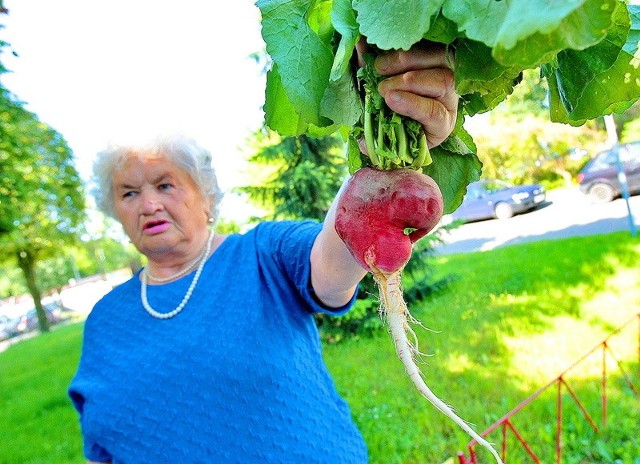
<point>405,340</point>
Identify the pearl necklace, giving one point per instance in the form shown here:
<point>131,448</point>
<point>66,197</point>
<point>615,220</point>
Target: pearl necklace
<point>196,277</point>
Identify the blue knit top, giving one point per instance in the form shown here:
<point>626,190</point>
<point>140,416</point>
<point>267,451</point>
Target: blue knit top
<point>236,377</point>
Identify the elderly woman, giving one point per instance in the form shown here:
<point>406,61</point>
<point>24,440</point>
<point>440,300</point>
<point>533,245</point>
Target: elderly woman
<point>210,353</point>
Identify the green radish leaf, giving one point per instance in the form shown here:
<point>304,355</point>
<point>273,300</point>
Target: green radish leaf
<point>460,141</point>
<point>453,173</point>
<point>527,33</point>
<point>601,79</point>
<point>354,157</point>
<point>584,27</point>
<point>478,72</point>
<point>302,54</point>
<point>319,20</point>
<point>344,20</point>
<point>476,103</point>
<point>442,30</point>
<point>482,82</point>
<point>633,39</point>
<point>455,165</point>
<point>397,24</point>
<point>280,115</point>
<point>341,102</point>
<point>315,131</point>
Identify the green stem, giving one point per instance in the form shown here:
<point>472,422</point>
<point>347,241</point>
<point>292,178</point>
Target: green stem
<point>368,134</point>
<point>380,128</point>
<point>380,146</point>
<point>424,157</point>
<point>403,152</point>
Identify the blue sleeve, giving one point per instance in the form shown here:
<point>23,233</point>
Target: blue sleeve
<point>291,243</point>
<point>92,451</point>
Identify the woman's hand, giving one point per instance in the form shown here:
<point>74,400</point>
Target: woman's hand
<point>420,84</point>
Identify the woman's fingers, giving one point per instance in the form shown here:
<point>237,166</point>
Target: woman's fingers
<point>361,48</point>
<point>428,96</point>
<point>421,85</point>
<point>422,55</point>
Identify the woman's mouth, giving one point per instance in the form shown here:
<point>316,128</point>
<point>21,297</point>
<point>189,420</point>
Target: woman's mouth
<point>155,227</point>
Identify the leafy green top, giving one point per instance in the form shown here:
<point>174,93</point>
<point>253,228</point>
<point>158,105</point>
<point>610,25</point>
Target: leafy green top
<point>586,49</point>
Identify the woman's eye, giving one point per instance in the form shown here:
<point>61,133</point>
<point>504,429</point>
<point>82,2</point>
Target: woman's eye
<point>128,194</point>
<point>165,186</point>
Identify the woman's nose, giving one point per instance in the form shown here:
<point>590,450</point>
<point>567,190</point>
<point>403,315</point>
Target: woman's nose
<point>151,203</point>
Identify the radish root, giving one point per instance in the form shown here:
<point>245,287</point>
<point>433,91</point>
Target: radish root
<point>405,341</point>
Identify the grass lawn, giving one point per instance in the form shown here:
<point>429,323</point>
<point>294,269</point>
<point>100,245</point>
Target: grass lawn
<point>510,321</point>
<point>38,422</point>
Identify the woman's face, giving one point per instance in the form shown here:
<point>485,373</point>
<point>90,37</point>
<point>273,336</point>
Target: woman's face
<point>160,207</point>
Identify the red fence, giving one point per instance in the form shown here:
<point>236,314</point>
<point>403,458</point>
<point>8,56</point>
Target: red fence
<point>506,426</point>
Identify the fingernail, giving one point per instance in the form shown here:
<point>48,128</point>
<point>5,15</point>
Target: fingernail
<point>395,97</point>
<point>382,63</point>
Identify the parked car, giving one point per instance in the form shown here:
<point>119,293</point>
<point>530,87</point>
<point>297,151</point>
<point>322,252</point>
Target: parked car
<point>599,177</point>
<point>6,327</point>
<point>488,199</point>
<point>29,320</point>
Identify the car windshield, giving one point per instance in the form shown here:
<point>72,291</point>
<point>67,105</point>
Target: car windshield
<point>603,161</point>
<point>630,153</point>
<point>495,185</point>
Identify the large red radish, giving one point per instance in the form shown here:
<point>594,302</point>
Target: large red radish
<point>380,215</point>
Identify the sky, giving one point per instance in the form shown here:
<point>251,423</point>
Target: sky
<point>102,72</point>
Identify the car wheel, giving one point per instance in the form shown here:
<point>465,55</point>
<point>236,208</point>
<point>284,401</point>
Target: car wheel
<point>503,211</point>
<point>601,193</point>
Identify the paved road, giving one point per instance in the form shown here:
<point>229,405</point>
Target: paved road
<point>566,213</point>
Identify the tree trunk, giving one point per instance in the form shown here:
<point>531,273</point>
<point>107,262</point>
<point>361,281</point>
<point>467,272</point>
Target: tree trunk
<point>26,261</point>
<point>566,176</point>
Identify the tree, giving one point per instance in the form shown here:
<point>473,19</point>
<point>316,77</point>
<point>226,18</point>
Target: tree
<point>41,199</point>
<point>298,176</point>
<point>517,141</point>
<point>226,226</point>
